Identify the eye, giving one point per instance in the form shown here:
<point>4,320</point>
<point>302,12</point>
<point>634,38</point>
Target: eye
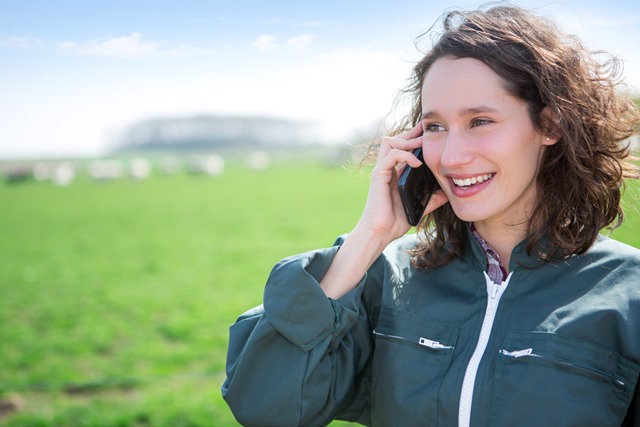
<point>433,127</point>
<point>479,122</point>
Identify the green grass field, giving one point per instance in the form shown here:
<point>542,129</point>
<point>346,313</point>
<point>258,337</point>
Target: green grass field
<point>115,298</point>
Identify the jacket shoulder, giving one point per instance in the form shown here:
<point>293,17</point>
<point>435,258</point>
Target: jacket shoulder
<point>609,248</point>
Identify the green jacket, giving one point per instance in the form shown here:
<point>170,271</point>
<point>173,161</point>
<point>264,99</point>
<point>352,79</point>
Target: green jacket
<point>555,345</point>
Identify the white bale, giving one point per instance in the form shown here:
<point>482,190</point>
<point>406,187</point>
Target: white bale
<point>42,171</point>
<point>105,170</point>
<point>258,160</point>
<point>210,164</point>
<point>63,174</point>
<point>139,168</point>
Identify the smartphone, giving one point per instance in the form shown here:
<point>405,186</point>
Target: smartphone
<point>416,185</point>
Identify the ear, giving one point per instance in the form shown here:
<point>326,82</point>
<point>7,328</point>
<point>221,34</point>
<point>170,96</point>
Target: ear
<point>551,119</point>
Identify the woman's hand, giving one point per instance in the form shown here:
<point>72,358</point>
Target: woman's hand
<point>383,219</point>
<point>383,216</point>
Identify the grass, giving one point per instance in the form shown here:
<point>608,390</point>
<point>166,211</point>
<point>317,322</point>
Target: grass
<point>115,298</point>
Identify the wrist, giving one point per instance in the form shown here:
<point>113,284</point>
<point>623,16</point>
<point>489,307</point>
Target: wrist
<point>367,242</point>
<point>357,253</point>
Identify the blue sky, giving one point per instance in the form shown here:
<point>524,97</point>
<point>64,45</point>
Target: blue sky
<point>74,74</point>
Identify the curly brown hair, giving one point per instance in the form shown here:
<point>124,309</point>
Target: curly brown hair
<point>580,179</point>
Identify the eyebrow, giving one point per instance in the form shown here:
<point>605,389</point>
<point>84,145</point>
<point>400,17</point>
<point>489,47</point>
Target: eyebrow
<point>463,112</point>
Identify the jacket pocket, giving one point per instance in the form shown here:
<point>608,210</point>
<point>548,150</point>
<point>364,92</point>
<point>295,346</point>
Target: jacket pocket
<point>547,379</point>
<point>412,355</point>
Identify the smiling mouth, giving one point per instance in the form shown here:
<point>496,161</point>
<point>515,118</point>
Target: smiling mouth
<point>468,182</point>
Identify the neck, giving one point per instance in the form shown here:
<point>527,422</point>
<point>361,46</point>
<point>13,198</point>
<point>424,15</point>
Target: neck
<point>501,239</point>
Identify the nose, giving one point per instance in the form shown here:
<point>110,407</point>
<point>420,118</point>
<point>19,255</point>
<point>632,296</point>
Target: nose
<point>457,150</point>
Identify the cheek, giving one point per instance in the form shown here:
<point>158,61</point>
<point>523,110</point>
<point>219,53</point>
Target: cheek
<point>432,153</point>
<point>528,155</point>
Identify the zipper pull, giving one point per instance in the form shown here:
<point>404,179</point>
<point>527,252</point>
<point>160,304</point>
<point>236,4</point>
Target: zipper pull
<point>433,344</point>
<point>494,291</point>
<point>517,353</point>
<point>492,303</point>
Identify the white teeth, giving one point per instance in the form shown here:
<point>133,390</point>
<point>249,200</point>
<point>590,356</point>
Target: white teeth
<point>470,181</point>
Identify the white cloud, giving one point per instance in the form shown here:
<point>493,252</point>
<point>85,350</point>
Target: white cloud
<point>265,43</point>
<point>19,41</point>
<point>132,46</point>
<point>297,44</point>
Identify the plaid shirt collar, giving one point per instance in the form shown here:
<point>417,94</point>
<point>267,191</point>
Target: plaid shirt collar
<point>495,270</point>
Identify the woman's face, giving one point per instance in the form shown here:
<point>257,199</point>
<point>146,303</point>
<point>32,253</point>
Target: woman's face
<point>480,143</point>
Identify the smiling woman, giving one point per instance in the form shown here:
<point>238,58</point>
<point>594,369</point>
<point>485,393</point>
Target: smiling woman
<point>570,97</point>
<point>482,146</point>
<point>507,307</point>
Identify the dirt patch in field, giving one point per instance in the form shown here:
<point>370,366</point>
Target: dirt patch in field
<point>10,404</point>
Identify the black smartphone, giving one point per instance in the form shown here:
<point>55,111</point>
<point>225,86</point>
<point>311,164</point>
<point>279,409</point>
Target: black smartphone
<point>416,185</point>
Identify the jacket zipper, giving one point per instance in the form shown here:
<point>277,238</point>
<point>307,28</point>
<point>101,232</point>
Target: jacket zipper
<point>528,352</point>
<point>495,292</point>
<point>424,342</point>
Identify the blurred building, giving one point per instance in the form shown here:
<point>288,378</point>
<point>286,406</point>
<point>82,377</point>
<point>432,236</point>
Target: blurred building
<point>213,132</point>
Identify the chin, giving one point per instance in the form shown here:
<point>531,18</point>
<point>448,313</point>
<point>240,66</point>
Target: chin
<point>469,215</point>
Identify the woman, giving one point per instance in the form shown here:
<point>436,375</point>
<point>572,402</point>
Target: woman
<point>507,307</point>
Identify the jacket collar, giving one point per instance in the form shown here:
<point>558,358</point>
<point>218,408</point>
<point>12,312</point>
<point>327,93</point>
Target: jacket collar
<point>475,255</point>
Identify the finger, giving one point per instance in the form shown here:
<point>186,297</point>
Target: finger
<point>397,157</point>
<point>412,133</point>
<point>386,172</point>
<point>395,142</point>
<point>415,133</point>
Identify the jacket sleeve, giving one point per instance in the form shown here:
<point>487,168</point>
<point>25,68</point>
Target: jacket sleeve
<point>299,359</point>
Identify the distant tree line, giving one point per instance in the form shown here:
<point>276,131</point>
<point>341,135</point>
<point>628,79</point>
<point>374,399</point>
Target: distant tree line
<point>213,132</point>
